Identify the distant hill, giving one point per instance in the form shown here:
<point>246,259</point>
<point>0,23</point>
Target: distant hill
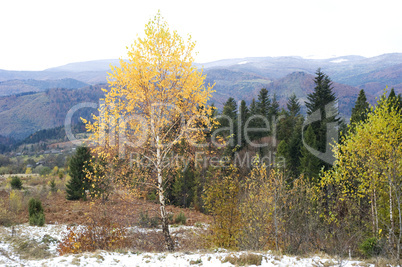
<point>12,87</point>
<point>243,87</point>
<point>26,112</point>
<point>23,115</point>
<point>87,66</point>
<point>352,70</point>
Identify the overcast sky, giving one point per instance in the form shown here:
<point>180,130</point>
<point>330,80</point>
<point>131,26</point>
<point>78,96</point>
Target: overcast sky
<point>38,34</point>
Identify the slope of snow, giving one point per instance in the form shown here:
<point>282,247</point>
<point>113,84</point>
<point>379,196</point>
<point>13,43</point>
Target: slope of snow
<point>104,258</point>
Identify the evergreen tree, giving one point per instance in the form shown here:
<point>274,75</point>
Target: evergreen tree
<point>244,114</point>
<point>184,186</point>
<point>229,121</point>
<point>283,151</point>
<point>295,145</point>
<point>230,108</point>
<point>253,107</point>
<point>36,215</point>
<point>274,108</point>
<point>360,110</point>
<point>253,123</point>
<point>309,164</point>
<point>286,125</point>
<point>322,100</point>
<point>396,100</point>
<point>263,109</point>
<point>293,105</point>
<point>264,103</point>
<point>78,183</point>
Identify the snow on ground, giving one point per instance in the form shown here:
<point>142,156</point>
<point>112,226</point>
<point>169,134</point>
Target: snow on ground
<point>104,258</point>
<point>339,60</point>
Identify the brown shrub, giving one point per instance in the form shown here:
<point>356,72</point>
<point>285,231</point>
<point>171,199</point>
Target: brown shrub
<point>102,234</point>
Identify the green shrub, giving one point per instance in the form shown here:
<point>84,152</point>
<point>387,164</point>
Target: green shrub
<point>371,247</point>
<point>16,183</point>
<point>53,185</point>
<point>147,222</point>
<point>45,171</point>
<point>36,216</point>
<point>151,196</point>
<point>181,218</point>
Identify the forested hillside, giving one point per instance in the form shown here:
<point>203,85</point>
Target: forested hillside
<point>23,115</point>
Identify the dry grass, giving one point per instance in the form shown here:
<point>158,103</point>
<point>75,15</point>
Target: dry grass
<point>244,259</point>
<point>29,249</point>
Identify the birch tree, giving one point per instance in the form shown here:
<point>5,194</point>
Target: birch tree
<point>156,99</point>
<point>369,165</point>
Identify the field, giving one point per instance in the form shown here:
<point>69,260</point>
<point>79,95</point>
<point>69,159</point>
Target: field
<point>21,244</point>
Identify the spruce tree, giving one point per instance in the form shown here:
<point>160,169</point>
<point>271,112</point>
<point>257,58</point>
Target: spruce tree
<point>322,100</point>
<point>253,123</point>
<point>263,109</point>
<point>264,103</point>
<point>286,125</point>
<point>253,107</point>
<point>244,114</point>
<point>396,100</point>
<point>229,120</point>
<point>293,105</point>
<point>295,145</point>
<point>274,108</point>
<point>310,165</point>
<point>283,151</point>
<point>360,110</point>
<point>78,183</point>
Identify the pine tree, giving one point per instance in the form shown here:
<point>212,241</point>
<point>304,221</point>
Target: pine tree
<point>360,110</point>
<point>78,183</point>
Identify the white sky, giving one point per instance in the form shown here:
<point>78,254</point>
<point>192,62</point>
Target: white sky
<point>36,35</point>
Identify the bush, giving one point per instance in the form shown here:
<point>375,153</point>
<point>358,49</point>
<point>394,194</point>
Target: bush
<point>16,183</point>
<point>15,201</point>
<point>181,218</point>
<point>7,218</point>
<point>52,185</point>
<point>147,222</point>
<point>371,247</point>
<point>36,216</point>
<point>102,235</point>
<point>45,171</point>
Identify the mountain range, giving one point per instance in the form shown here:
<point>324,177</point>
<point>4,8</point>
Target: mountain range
<point>35,100</point>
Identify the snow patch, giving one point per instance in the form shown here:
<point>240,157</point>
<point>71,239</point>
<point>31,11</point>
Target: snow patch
<point>105,258</point>
<point>339,60</point>
<point>242,62</point>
